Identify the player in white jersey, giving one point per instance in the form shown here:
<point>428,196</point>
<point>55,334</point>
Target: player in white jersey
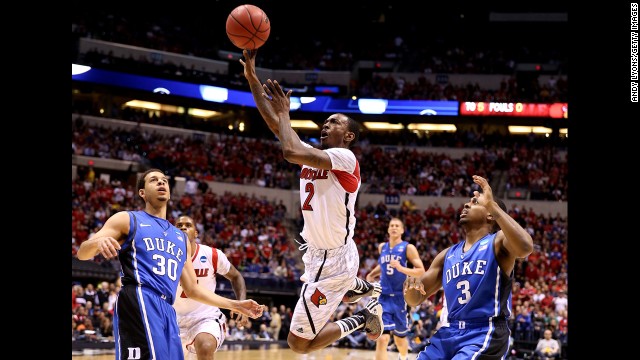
<point>329,184</point>
<point>202,327</point>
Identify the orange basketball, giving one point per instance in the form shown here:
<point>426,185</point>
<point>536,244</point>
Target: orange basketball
<point>248,27</point>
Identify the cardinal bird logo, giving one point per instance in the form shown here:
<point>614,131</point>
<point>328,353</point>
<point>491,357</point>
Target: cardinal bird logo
<point>318,298</point>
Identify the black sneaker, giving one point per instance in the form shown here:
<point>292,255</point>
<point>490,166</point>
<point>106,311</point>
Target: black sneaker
<point>373,325</point>
<point>352,296</point>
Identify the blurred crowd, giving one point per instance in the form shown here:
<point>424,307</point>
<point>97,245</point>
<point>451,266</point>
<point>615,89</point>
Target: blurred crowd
<point>542,170</point>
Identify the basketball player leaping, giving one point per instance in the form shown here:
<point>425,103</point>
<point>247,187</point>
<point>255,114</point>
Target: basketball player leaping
<point>329,184</point>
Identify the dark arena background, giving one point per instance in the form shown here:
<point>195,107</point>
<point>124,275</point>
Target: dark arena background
<point>441,90</point>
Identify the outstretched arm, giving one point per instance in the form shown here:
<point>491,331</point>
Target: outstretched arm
<point>513,238</point>
<point>417,290</point>
<point>293,150</point>
<point>257,91</point>
<point>190,286</point>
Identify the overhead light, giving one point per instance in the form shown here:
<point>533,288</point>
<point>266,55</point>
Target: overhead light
<point>382,126</point>
<point>432,127</point>
<point>79,69</point>
<point>564,131</point>
<point>214,93</point>
<point>149,105</point>
<point>513,129</point>
<point>304,124</point>
<point>294,103</point>
<point>201,113</point>
<point>372,106</point>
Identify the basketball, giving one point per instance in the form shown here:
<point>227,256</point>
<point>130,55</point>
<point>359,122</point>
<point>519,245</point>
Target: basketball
<point>248,27</point>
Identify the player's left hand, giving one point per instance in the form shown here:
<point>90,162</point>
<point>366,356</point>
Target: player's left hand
<point>413,283</point>
<point>273,92</point>
<point>394,264</point>
<point>486,196</point>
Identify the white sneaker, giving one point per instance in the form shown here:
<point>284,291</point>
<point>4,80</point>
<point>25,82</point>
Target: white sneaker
<point>352,296</point>
<point>373,325</point>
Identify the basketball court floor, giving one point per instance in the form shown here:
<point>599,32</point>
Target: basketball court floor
<point>330,353</point>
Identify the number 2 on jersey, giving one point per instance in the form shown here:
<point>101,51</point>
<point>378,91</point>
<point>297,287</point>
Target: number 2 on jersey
<point>310,190</point>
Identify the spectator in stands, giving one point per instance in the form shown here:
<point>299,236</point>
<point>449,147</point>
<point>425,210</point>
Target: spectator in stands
<point>240,332</point>
<point>547,348</point>
<point>285,314</point>
<point>232,330</point>
<point>77,297</point>
<point>280,273</point>
<point>263,333</point>
<point>418,336</point>
<point>275,324</point>
<point>561,301</point>
<point>524,324</point>
<point>563,326</point>
<point>90,293</point>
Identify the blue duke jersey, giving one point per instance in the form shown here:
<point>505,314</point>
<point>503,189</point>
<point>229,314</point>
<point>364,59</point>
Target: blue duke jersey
<point>153,254</point>
<point>475,287</point>
<point>395,316</point>
<point>152,259</point>
<point>391,279</point>
<point>478,300</point>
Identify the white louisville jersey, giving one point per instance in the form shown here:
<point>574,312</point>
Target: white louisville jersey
<point>328,198</point>
<point>207,262</point>
<point>444,313</point>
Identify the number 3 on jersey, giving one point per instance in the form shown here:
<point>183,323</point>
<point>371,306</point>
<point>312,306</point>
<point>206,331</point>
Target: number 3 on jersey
<point>310,190</point>
<point>466,294</point>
